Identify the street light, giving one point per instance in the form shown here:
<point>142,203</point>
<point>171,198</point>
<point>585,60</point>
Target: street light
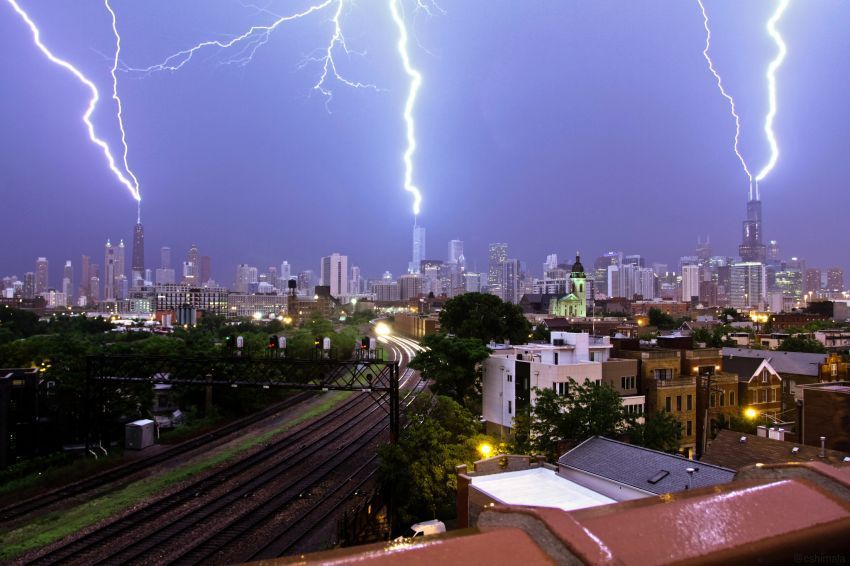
<point>485,448</point>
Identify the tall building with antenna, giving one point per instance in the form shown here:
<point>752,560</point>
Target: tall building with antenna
<point>752,248</point>
<point>138,266</point>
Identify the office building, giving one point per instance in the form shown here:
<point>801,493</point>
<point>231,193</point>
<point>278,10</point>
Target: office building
<point>752,248</point>
<point>748,286</point>
<point>418,249</point>
<point>497,254</point>
<point>835,280</point>
<point>246,279</point>
<point>68,283</point>
<point>41,276</point>
<point>456,252</point>
<point>690,282</point>
<point>137,268</point>
<point>334,274</point>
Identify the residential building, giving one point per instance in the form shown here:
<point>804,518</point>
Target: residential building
<point>826,415</point>
<point>212,300</point>
<point>738,450</point>
<point>759,385</point>
<point>512,374</point>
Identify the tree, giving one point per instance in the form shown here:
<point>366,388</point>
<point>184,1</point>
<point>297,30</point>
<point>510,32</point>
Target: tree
<point>452,363</point>
<point>661,320</point>
<point>418,473</point>
<point>588,409</point>
<point>801,344</point>
<point>660,431</point>
<point>485,317</point>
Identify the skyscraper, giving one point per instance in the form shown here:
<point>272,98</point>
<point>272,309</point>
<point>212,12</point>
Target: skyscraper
<point>752,248</point>
<point>334,274</point>
<point>455,251</point>
<point>137,273</point>
<point>41,276</point>
<point>165,257</point>
<point>205,270</point>
<point>496,257</point>
<point>690,282</point>
<point>192,266</point>
<point>68,283</point>
<point>29,285</point>
<point>749,286</point>
<point>285,275</point>
<point>109,272</point>
<point>246,277</point>
<point>510,289</point>
<point>418,248</point>
<point>835,280</point>
<point>85,276</point>
<point>355,286</point>
<point>813,280</point>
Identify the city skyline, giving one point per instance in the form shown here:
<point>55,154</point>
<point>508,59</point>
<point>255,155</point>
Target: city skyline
<point>662,148</point>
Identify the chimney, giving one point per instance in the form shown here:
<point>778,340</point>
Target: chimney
<point>822,447</point>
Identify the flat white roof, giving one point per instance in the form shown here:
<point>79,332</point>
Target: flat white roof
<point>539,487</point>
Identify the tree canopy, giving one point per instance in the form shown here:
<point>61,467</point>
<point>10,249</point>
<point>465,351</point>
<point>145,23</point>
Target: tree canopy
<point>418,473</point>
<point>660,431</point>
<point>453,366</point>
<point>485,317</point>
<point>801,344</point>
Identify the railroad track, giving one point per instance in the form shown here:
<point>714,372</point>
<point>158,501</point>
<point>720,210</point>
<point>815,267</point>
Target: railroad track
<point>91,543</point>
<point>286,538</point>
<point>292,450</point>
<point>22,508</point>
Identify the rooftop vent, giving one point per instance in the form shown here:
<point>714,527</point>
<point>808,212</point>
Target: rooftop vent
<point>846,459</point>
<point>743,440</point>
<point>658,477</point>
<point>795,450</point>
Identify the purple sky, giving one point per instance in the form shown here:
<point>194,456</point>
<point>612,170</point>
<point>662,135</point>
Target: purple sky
<point>553,126</point>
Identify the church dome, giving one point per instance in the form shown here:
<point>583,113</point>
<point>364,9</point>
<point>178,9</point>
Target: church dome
<point>578,268</point>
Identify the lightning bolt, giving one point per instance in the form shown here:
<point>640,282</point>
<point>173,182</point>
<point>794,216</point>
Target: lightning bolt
<point>771,89</point>
<point>415,83</point>
<point>93,100</point>
<point>725,94</point>
<point>120,112</point>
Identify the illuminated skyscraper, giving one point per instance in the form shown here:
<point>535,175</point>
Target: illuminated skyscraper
<point>68,283</point>
<point>496,257</point>
<point>137,274</point>
<point>418,249</point>
<point>41,276</point>
<point>752,248</point>
<point>334,274</point>
<point>109,260</point>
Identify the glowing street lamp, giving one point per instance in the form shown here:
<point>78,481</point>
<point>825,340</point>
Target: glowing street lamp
<point>485,448</point>
<point>382,329</point>
<point>751,412</point>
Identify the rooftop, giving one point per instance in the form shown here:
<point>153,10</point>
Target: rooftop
<point>799,363</point>
<point>742,522</point>
<point>648,470</point>
<point>729,451</point>
<point>540,487</point>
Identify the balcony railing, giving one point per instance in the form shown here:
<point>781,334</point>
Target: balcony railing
<point>676,382</point>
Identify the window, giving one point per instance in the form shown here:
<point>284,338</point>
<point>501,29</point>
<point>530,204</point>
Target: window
<point>663,374</point>
<point>510,407</point>
<point>764,395</point>
<point>627,382</point>
<point>556,358</point>
<point>712,400</point>
<point>667,405</point>
<point>690,403</point>
<point>689,429</point>
<point>722,399</point>
<point>764,377</point>
<point>731,398</point>
<point>510,378</point>
<point>679,403</point>
<point>561,388</point>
